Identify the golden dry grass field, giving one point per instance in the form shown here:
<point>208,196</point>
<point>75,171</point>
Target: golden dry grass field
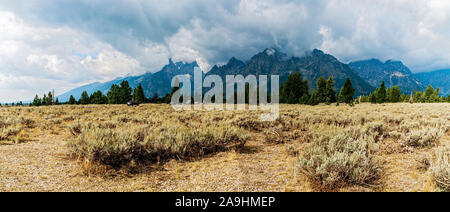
<point>388,147</point>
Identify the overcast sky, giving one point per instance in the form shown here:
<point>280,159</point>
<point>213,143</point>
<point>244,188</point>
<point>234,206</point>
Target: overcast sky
<point>62,44</point>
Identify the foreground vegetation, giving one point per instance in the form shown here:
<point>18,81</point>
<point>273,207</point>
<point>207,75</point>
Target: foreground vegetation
<point>324,148</point>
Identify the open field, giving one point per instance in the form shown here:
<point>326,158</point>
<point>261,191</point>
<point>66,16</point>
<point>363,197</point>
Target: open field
<point>389,147</point>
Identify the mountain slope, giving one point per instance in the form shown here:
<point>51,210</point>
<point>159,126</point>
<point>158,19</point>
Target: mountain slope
<point>392,72</point>
<point>158,82</point>
<point>440,79</point>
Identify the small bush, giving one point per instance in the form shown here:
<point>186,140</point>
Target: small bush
<point>335,162</point>
<point>440,168</point>
<point>9,132</point>
<point>423,137</point>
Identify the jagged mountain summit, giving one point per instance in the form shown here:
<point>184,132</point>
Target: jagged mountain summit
<point>312,66</point>
<point>392,72</point>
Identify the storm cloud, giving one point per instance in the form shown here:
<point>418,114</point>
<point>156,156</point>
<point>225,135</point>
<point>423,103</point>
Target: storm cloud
<point>65,43</point>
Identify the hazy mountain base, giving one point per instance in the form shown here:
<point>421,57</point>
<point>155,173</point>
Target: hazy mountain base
<point>35,157</point>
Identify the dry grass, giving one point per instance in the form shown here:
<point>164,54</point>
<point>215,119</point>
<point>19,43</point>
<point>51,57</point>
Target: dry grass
<point>389,147</point>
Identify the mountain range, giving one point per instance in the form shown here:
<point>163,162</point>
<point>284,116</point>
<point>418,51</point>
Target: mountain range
<point>365,75</point>
<point>439,78</point>
<point>391,72</point>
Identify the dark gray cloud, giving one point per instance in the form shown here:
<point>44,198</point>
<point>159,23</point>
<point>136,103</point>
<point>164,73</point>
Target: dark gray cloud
<point>121,37</point>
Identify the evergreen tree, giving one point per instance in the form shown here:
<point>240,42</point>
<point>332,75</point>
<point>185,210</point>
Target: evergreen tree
<point>50,98</point>
<point>295,85</point>
<point>44,100</point>
<point>448,99</point>
<point>418,97</point>
<point>429,93</point>
<point>381,93</point>
<point>138,94</point>
<point>331,93</point>
<point>321,94</point>
<point>291,99</point>
<point>72,100</point>
<point>347,92</point>
<point>314,99</point>
<point>84,100</point>
<point>56,101</point>
<point>155,98</point>
<point>282,95</point>
<point>388,95</point>
<point>395,94</point>
<point>373,97</point>
<point>304,99</point>
<point>37,101</point>
<point>114,95</point>
<point>435,96</point>
<point>98,98</point>
<point>125,92</point>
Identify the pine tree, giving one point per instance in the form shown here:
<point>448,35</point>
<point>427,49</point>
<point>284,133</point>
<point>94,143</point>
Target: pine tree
<point>50,98</point>
<point>381,94</point>
<point>295,85</point>
<point>291,99</point>
<point>314,99</point>
<point>138,94</point>
<point>37,101</point>
<point>373,97</point>
<point>435,96</point>
<point>388,95</point>
<point>304,99</point>
<point>44,100</point>
<point>347,92</point>
<point>321,94</point>
<point>125,92</point>
<point>282,95</point>
<point>72,100</point>
<point>98,98</point>
<point>395,94</point>
<point>113,95</point>
<point>155,98</point>
<point>84,100</point>
<point>331,93</point>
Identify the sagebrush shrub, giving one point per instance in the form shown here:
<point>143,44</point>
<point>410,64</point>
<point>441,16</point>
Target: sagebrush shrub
<point>440,168</point>
<point>423,137</point>
<point>334,162</point>
<point>119,146</point>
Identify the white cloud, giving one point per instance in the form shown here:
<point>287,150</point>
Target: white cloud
<point>38,59</point>
<point>79,41</point>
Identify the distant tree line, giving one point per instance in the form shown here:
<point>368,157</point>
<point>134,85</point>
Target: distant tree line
<point>394,95</point>
<point>295,91</point>
<point>117,94</point>
<point>46,100</point>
